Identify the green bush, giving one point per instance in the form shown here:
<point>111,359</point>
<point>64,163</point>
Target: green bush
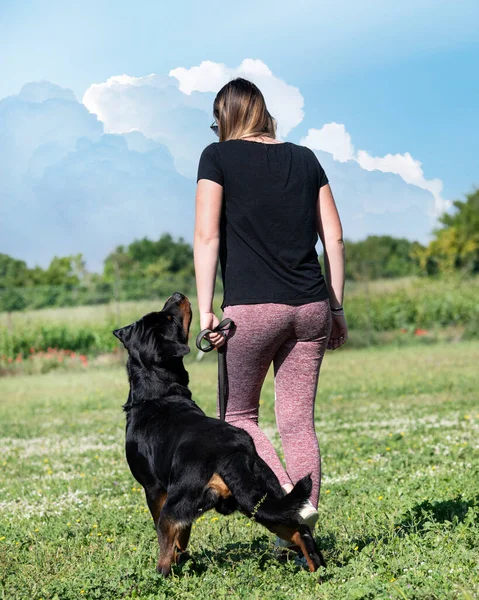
<point>422,303</point>
<point>372,311</point>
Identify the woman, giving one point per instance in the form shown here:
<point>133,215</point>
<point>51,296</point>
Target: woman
<point>260,205</point>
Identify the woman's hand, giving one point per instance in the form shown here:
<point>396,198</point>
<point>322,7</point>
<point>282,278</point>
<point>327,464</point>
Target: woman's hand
<point>209,320</point>
<point>339,332</point>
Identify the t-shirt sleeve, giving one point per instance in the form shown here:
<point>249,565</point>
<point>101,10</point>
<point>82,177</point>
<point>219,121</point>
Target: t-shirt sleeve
<point>321,176</point>
<point>208,166</point>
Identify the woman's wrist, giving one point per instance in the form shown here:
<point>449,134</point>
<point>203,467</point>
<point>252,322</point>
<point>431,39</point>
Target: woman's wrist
<point>337,310</point>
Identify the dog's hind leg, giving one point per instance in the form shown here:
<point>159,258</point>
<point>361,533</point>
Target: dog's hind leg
<point>183,538</point>
<point>302,537</point>
<point>181,543</point>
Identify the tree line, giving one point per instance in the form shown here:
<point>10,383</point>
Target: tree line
<point>147,268</point>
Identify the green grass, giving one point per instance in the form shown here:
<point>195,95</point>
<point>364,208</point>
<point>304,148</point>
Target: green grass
<point>377,312</point>
<point>399,508</point>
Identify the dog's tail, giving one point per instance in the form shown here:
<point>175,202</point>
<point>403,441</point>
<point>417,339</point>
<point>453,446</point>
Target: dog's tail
<point>264,500</point>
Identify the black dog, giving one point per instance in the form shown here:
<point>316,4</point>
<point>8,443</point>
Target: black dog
<point>189,463</point>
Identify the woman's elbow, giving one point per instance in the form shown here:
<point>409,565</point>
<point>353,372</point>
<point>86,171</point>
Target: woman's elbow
<point>206,238</point>
<point>334,242</point>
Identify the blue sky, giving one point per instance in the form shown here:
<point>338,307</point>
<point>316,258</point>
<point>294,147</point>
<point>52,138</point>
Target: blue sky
<point>400,78</point>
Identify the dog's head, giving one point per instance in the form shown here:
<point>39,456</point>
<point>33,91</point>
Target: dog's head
<point>159,336</point>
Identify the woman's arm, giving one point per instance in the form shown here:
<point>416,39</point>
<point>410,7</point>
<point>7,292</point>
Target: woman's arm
<point>331,234</point>
<point>209,198</point>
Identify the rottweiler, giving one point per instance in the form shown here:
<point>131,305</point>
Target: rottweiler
<point>189,463</point>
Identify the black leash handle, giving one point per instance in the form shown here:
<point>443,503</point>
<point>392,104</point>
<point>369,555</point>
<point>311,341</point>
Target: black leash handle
<point>222,328</point>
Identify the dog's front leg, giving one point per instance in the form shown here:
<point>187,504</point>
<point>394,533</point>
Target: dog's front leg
<point>301,536</point>
<point>156,498</point>
<point>168,531</point>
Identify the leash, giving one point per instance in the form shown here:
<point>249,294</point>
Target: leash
<point>222,328</point>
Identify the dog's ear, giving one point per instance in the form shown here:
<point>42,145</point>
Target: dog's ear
<point>124,334</point>
<point>170,349</point>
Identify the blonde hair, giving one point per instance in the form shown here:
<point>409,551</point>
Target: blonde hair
<point>240,111</point>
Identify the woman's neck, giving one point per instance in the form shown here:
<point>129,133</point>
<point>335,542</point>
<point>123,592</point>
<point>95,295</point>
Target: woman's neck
<point>262,138</point>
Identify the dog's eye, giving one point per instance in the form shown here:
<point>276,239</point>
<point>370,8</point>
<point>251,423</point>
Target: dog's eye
<point>169,317</point>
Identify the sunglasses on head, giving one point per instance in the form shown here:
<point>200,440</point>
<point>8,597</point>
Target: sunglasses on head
<point>214,128</point>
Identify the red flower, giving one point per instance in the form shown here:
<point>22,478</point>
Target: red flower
<point>420,332</point>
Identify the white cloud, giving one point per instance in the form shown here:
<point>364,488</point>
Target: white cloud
<point>165,108</point>
<point>156,107</point>
<point>334,139</point>
<point>87,191</point>
<point>67,187</point>
<point>284,101</point>
<point>208,77</point>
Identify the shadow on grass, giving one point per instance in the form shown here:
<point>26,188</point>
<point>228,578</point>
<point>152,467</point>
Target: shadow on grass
<point>228,555</point>
<point>454,511</point>
<point>416,521</point>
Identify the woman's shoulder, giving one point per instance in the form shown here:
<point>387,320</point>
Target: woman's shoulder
<point>209,152</point>
<point>306,150</point>
<point>211,147</point>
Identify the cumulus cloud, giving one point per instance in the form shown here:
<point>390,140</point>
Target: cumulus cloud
<point>177,109</point>
<point>334,139</point>
<point>155,106</point>
<point>87,176</point>
<point>284,101</point>
<point>68,187</point>
<point>42,122</point>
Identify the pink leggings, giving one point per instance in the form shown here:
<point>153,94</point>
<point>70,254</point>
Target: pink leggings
<point>294,338</point>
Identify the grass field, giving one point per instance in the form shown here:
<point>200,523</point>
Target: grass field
<point>378,312</point>
<point>399,508</point>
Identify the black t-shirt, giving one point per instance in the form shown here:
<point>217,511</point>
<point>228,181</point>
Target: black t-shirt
<point>268,228</point>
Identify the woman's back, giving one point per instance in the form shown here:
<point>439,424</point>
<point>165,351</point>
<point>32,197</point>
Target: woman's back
<point>268,229</point>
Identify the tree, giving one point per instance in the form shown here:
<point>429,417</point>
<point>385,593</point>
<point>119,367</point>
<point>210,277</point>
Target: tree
<point>147,258</point>
<point>13,272</point>
<point>65,270</point>
<point>456,246</point>
<point>380,257</point>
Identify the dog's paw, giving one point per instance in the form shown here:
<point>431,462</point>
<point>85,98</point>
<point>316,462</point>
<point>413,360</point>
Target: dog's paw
<point>163,569</point>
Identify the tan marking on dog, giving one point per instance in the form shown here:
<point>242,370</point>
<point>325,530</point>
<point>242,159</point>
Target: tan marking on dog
<point>216,483</point>
<point>298,540</point>
<point>156,506</point>
<point>167,533</point>
<point>185,308</point>
<point>291,534</point>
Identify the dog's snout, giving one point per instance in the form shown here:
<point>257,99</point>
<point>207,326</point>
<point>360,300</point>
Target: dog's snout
<point>179,304</point>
